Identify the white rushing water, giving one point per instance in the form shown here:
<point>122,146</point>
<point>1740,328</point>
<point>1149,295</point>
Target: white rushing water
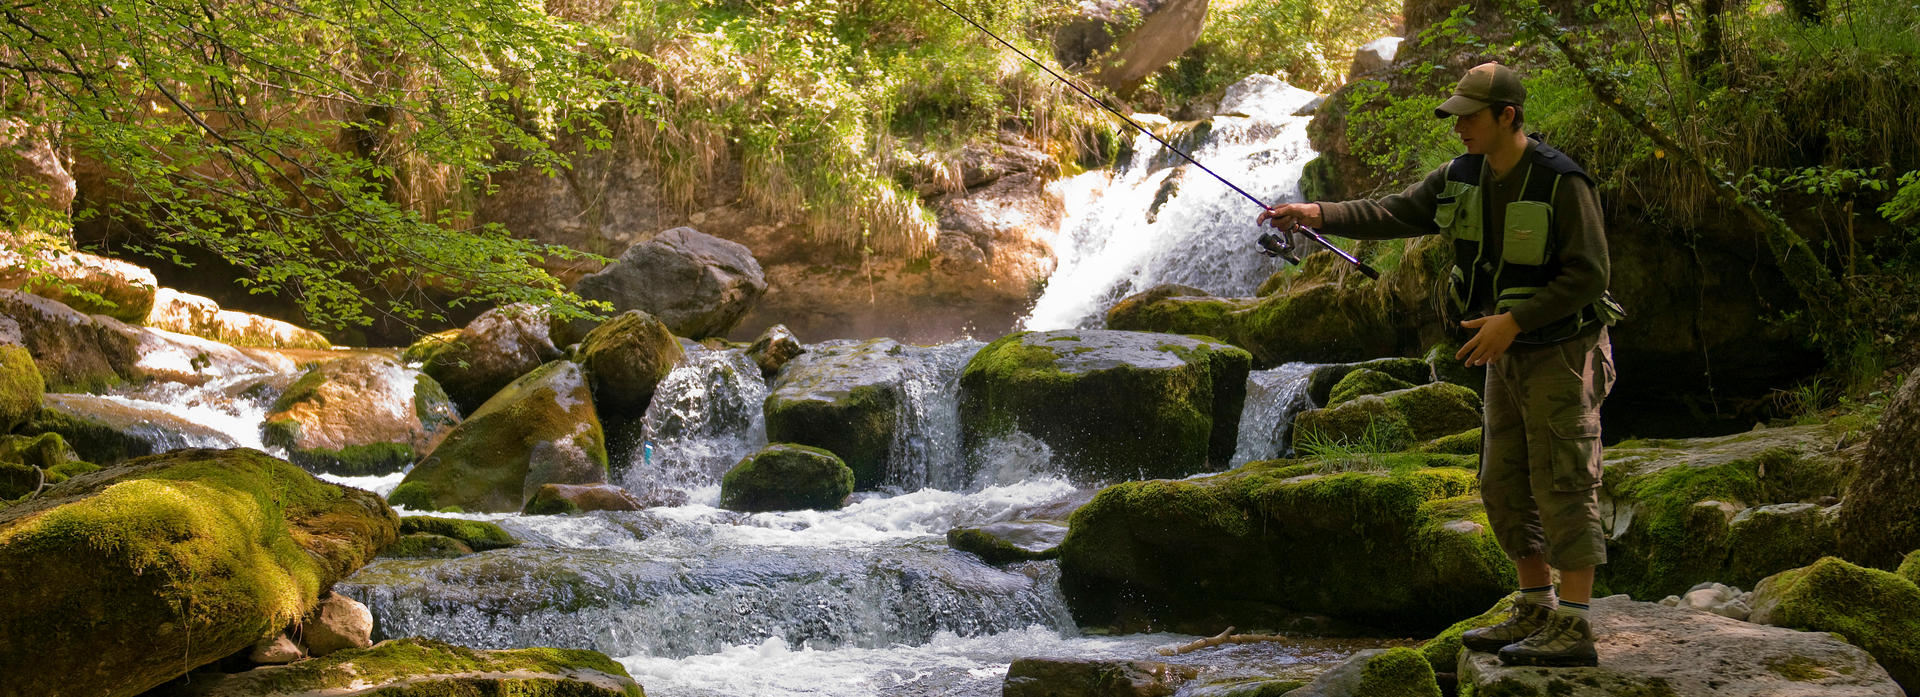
<point>1273,397</point>
<point>1158,220</point>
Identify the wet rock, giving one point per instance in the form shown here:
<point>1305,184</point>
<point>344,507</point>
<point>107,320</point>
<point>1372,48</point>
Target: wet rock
<point>202,317</point>
<point>125,291</point>
<point>554,499</point>
<point>1055,677</point>
<point>843,397</point>
<point>697,284</point>
<point>105,431</point>
<point>775,347</point>
<point>1111,405</point>
<point>1405,548</point>
<point>1399,672</point>
<point>1649,649</point>
<point>337,623</point>
<point>22,390</point>
<point>477,534</point>
<point>1364,382</point>
<point>1320,385</point>
<point>1391,421</point>
<point>786,477</point>
<point>540,429</point>
<point>245,540</point>
<point>278,649</point>
<point>74,353</point>
<point>1375,55</point>
<point>1881,519</point>
<point>423,545</point>
<point>492,351</point>
<point>1006,543</point>
<point>1873,609</point>
<point>628,356</point>
<point>359,415</point>
<point>1118,43</point>
<point>417,667</point>
<point>174,357</point>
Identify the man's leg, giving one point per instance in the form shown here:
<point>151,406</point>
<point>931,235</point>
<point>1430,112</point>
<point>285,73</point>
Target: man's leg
<point>1507,490</point>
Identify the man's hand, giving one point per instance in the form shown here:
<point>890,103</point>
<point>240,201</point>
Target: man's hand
<point>1287,215</point>
<point>1491,342</point>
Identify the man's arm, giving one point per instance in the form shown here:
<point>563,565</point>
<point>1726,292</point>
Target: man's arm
<point>1579,227</point>
<point>1405,214</point>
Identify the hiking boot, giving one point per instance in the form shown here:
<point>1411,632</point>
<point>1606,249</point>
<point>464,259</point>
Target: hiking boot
<point>1565,641</point>
<point>1522,622</point>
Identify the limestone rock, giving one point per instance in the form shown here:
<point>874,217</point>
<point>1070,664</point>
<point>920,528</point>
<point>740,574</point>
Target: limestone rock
<point>552,499</point>
<point>1055,677</point>
<point>843,397</point>
<point>540,429</point>
<point>785,477</point>
<point>125,291</point>
<point>202,317</point>
<point>1648,649</point>
<point>183,358</point>
<point>1005,543</point>
<point>492,351</point>
<point>628,356</point>
<point>359,415</point>
<point>418,667</point>
<point>698,284</point>
<point>337,623</point>
<point>1112,405</point>
<point>74,353</point>
<point>775,347</point>
<point>1400,672</point>
<point>1881,518</point>
<point>1873,609</point>
<point>105,431</point>
<point>278,649</point>
<point>1118,43</point>
<point>245,540</point>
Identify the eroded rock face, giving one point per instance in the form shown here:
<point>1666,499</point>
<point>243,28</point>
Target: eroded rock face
<point>74,353</point>
<point>698,284</point>
<point>244,540</point>
<point>1118,43</point>
<point>1880,522</point>
<point>359,415</point>
<point>1111,405</point>
<point>1646,648</point>
<point>492,351</point>
<point>201,316</point>
<point>126,291</point>
<point>541,429</point>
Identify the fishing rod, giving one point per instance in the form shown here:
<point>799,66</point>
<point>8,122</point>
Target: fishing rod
<point>1271,244</point>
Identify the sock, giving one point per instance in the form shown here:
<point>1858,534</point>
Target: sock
<point>1542,596</point>
<point>1568,607</point>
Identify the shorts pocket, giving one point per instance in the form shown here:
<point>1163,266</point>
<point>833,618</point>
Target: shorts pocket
<point>1576,453</point>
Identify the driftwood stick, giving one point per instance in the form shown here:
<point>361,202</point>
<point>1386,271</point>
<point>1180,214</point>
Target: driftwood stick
<point>1226,637</point>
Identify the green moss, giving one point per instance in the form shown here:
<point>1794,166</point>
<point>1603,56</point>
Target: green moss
<point>478,534</point>
<point>22,390</point>
<point>1176,310</point>
<point>429,348</point>
<point>785,477</point>
<point>92,440</point>
<point>415,658</point>
<point>356,460</point>
<point>1910,568</point>
<point>423,545</point>
<point>1437,409</point>
<point>1875,610</point>
<point>1364,382</point>
<point>627,357</point>
<point>991,548</point>
<point>432,405</point>
<point>1798,668</point>
<point>415,495</point>
<point>1398,672</point>
<point>482,464</point>
<point>46,451</point>
<point>1462,443</point>
<point>1443,650</point>
<point>1367,424</point>
<point>304,389</point>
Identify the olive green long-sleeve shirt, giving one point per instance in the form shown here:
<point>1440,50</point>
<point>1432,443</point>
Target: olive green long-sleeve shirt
<point>1579,233</point>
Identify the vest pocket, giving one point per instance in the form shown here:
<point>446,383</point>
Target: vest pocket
<point>1443,214</point>
<point>1575,452</point>
<point>1528,227</point>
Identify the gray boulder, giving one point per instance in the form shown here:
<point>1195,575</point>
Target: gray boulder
<point>491,351</point>
<point>775,347</point>
<point>104,431</point>
<point>698,284</point>
<point>844,397</point>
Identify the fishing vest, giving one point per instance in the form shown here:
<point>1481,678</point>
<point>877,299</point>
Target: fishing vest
<point>1529,259</point>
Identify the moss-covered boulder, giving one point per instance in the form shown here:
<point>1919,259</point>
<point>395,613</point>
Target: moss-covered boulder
<point>559,499</point>
<point>359,415</point>
<point>1872,609</point>
<point>74,353</point>
<point>1910,569</point>
<point>491,352</point>
<point>1009,542</point>
<point>202,317</point>
<point>1443,650</point>
<point>1406,549</point>
<point>628,356</point>
<point>198,553</point>
<point>1390,421</point>
<point>477,534</point>
<point>773,349</point>
<point>1462,443</point>
<point>104,286</point>
<point>417,667</point>
<point>843,396</point>
<point>107,431</point>
<point>540,429</point>
<point>1111,405</point>
<point>1396,672</point>
<point>1321,382</point>
<point>428,348</point>
<point>1363,382</point>
<point>1669,508</point>
<point>1881,519</point>
<point>786,477</point>
<point>21,388</point>
<point>423,545</point>
<point>30,463</point>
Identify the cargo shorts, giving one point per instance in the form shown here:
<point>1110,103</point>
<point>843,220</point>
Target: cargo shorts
<point>1540,452</point>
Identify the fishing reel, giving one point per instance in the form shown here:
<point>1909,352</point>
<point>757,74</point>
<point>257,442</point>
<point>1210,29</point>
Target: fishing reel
<point>1280,246</point>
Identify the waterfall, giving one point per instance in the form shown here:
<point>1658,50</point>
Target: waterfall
<point>705,416</point>
<point>926,448</point>
<point>1158,220</point>
<point>1273,397</point>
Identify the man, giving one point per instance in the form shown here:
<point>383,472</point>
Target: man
<point>1531,271</point>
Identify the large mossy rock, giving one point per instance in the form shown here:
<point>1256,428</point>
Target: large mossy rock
<point>30,463</point>
<point>359,415</point>
<point>1390,421</point>
<point>1683,512</point>
<point>417,667</point>
<point>540,429</point>
<point>492,351</point>
<point>1396,672</point>
<point>1265,544</point>
<point>22,391</point>
<point>1111,405</point>
<point>477,534</point>
<point>1873,609</point>
<point>202,317</point>
<point>119,580</point>
<point>842,396</point>
<point>1323,380</point>
<point>107,431</point>
<point>1363,382</point>
<point>1648,649</point>
<point>787,477</point>
<point>1881,519</point>
<point>698,284</point>
<point>628,356</point>
<point>74,353</point>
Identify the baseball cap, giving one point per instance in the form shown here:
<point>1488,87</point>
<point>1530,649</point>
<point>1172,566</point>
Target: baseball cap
<point>1481,87</point>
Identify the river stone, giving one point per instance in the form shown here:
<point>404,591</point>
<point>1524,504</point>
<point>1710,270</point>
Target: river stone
<point>541,428</point>
<point>492,351</point>
<point>1063,677</point>
<point>1875,610</point>
<point>844,397</point>
<point>1405,549</point>
<point>22,391</point>
<point>106,431</point>
<point>337,623</point>
<point>197,553</point>
<point>1881,519</point>
<point>202,317</point>
<point>1651,649</point>
<point>1006,543</point>
<point>278,649</point>
<point>774,349</point>
<point>360,415</point>
<point>554,499</point>
<point>1362,382</point>
<point>477,534</point>
<point>698,284</point>
<point>1321,383</point>
<point>74,353</point>
<point>1118,43</point>
<point>1111,405</point>
<point>183,358</point>
<point>418,667</point>
<point>424,545</point>
<point>125,291</point>
<point>786,477</point>
<point>628,356</point>
<point>1397,672</point>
